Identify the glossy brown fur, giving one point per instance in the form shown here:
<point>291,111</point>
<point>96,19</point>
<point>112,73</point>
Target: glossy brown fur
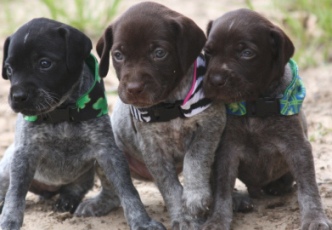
<point>248,58</point>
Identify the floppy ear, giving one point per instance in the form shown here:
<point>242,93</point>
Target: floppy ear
<point>208,28</point>
<point>282,49</point>
<point>190,41</point>
<point>5,55</point>
<point>78,46</point>
<point>103,47</point>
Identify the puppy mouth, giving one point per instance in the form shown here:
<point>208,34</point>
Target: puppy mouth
<point>43,102</point>
<point>227,92</point>
<point>146,98</point>
<point>138,102</point>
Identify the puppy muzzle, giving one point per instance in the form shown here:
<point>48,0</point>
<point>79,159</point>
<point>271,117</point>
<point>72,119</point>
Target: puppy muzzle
<point>19,98</point>
<point>30,100</point>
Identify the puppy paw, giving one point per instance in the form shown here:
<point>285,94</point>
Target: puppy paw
<point>10,222</point>
<point>280,186</point>
<point>96,206</point>
<point>316,222</point>
<point>196,203</point>
<point>150,225</point>
<point>242,202</point>
<point>215,223</point>
<point>186,224</point>
<point>66,204</point>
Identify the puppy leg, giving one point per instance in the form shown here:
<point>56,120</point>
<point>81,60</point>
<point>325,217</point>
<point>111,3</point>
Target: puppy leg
<point>103,203</point>
<point>280,186</point>
<point>226,165</point>
<point>197,196</point>
<point>300,159</point>
<point>198,161</point>
<point>5,174</point>
<point>116,170</point>
<point>23,167</point>
<point>72,194</point>
<point>166,178</point>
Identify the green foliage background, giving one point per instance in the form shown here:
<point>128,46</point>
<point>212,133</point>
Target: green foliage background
<point>89,16</point>
<point>307,22</point>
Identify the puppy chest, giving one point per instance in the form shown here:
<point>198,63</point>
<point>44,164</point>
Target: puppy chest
<point>174,138</point>
<point>55,171</point>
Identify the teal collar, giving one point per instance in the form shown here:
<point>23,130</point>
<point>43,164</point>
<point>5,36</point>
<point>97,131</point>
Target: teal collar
<point>90,105</point>
<point>289,103</point>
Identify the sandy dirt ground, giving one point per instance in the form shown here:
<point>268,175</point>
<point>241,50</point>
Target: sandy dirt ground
<point>269,212</point>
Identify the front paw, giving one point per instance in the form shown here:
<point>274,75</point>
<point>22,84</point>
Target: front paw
<point>10,222</point>
<point>316,222</point>
<point>242,202</point>
<point>66,204</point>
<point>186,223</point>
<point>196,203</point>
<point>215,223</point>
<point>97,206</point>
<point>150,225</point>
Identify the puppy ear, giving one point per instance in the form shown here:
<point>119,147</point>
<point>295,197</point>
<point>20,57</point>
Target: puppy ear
<point>190,41</point>
<point>5,55</point>
<point>283,49</point>
<point>103,47</point>
<point>78,46</point>
<point>208,28</point>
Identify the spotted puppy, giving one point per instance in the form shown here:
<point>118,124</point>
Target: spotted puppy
<point>265,141</point>
<point>163,122</point>
<point>63,130</point>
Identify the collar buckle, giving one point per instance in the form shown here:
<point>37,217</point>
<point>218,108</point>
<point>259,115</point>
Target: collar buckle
<point>58,115</point>
<point>263,107</point>
<point>164,112</point>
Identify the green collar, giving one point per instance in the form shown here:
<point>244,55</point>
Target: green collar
<point>288,104</point>
<point>90,105</point>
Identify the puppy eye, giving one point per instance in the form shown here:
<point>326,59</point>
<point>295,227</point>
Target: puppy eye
<point>159,53</point>
<point>247,54</point>
<point>118,56</point>
<point>9,71</point>
<point>207,53</point>
<point>45,64</point>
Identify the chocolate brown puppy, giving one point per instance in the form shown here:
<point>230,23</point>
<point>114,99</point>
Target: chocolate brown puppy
<point>265,141</point>
<point>163,122</point>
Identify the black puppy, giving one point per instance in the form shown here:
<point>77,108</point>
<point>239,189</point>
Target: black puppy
<point>63,129</point>
<point>265,140</point>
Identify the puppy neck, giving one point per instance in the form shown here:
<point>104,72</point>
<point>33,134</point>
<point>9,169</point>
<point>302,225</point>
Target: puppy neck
<point>181,91</point>
<point>81,87</point>
<point>187,100</point>
<point>86,100</point>
<point>284,99</point>
<point>279,86</point>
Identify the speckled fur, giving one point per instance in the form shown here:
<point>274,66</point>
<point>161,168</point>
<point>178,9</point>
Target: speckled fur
<point>146,80</point>
<point>63,155</point>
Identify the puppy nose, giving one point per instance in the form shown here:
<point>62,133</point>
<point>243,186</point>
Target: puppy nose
<point>135,87</point>
<point>217,80</point>
<point>19,95</point>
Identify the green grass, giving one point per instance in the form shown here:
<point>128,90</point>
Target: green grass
<point>89,16</point>
<point>319,132</point>
<point>309,23</point>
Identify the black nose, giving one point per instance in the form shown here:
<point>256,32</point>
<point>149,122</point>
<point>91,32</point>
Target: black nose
<point>217,80</point>
<point>19,95</point>
<point>135,88</point>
